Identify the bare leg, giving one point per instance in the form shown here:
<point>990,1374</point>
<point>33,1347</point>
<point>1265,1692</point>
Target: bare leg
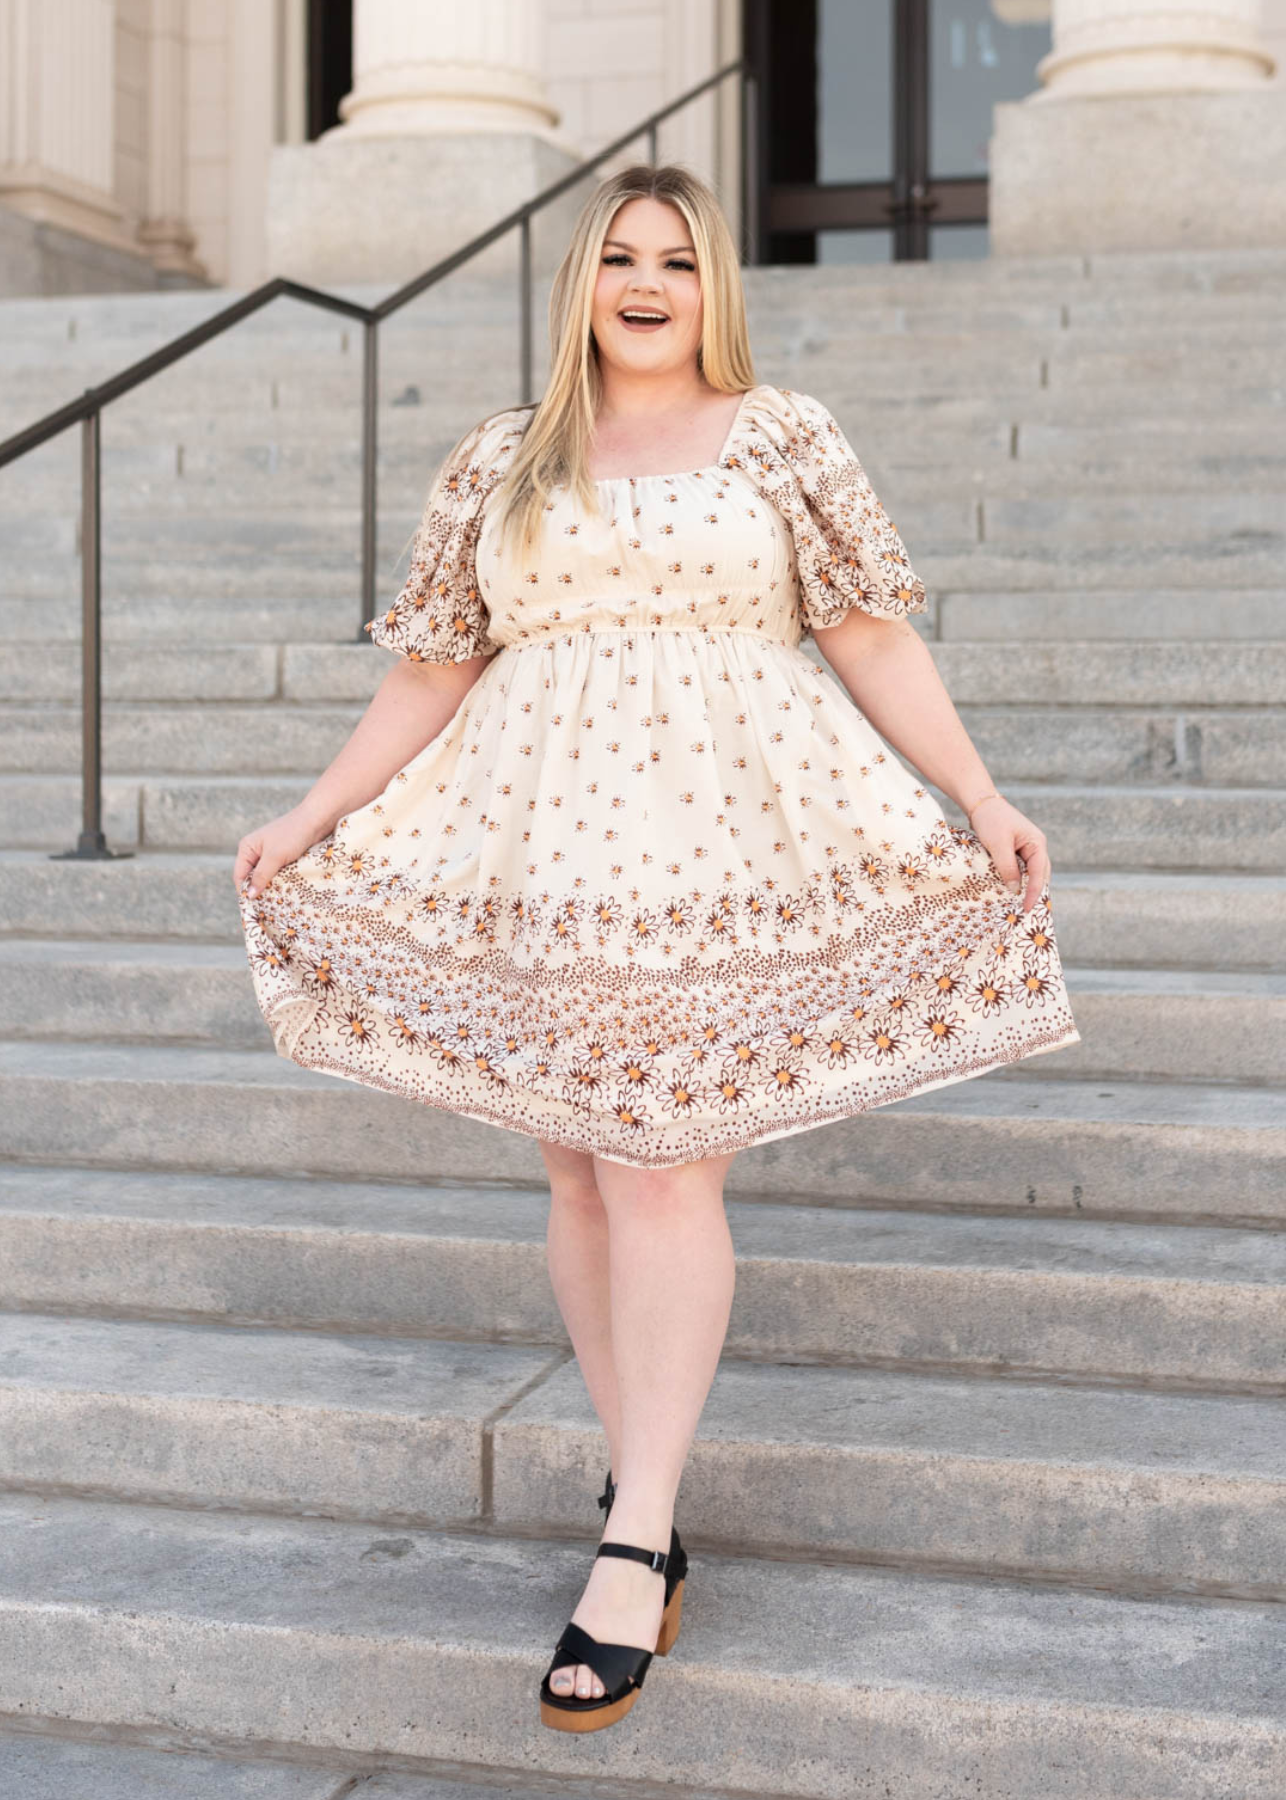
<point>671,1272</point>
<point>576,1243</point>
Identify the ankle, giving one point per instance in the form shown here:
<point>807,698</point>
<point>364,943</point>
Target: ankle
<point>645,1523</point>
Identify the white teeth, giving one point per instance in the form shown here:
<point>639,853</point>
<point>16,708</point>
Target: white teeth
<point>647,317</point>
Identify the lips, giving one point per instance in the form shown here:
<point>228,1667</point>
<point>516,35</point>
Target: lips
<point>642,318</point>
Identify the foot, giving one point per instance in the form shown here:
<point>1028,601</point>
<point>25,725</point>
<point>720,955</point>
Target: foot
<point>622,1604</point>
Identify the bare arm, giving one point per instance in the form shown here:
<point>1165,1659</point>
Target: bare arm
<point>890,673</point>
<point>408,710</point>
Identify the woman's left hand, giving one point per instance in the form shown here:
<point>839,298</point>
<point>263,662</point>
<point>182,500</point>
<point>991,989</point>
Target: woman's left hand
<point>1007,835</point>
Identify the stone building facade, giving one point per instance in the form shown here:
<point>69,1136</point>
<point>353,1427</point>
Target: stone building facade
<point>156,142</point>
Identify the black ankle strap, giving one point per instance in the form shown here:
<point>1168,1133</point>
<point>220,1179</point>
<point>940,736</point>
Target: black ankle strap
<point>655,1559</point>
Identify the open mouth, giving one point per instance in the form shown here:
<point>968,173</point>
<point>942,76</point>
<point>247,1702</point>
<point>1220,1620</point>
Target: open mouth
<point>643,318</point>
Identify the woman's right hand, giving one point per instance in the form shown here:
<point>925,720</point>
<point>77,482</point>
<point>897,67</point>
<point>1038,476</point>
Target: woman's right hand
<point>262,852</point>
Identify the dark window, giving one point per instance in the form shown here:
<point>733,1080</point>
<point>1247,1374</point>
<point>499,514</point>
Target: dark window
<point>330,61</point>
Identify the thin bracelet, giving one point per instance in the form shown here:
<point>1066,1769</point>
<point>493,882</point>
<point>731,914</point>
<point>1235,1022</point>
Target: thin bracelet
<point>993,795</point>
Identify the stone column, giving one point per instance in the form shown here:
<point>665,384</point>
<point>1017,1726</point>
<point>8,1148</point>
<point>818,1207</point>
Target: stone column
<point>57,111</point>
<point>1157,126</point>
<point>165,232</point>
<point>448,126</point>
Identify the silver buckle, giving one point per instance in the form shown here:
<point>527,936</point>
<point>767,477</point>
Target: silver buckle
<point>658,1559</point>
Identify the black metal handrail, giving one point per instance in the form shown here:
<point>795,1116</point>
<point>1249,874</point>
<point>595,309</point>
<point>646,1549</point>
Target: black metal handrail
<point>87,410</point>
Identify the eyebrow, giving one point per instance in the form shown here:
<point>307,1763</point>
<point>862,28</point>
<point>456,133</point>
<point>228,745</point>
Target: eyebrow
<point>622,245</point>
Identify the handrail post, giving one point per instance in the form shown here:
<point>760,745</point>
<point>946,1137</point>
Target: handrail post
<point>370,452</point>
<point>526,380</point>
<point>751,149</point>
<point>652,143</point>
<point>92,845</point>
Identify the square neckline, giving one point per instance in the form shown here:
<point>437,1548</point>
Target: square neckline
<point>705,469</point>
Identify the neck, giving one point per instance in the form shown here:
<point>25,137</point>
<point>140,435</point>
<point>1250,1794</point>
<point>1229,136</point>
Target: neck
<point>627,395</point>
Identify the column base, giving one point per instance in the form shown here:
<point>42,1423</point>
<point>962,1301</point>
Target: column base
<point>37,258</point>
<point>1199,171</point>
<point>355,209</point>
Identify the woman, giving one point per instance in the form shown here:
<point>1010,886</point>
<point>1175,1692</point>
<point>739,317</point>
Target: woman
<point>610,862</point>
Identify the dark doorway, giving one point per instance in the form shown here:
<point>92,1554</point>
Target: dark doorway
<point>330,61</point>
<point>876,119</point>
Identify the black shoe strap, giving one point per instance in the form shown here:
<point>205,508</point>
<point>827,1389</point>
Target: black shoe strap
<point>655,1559</point>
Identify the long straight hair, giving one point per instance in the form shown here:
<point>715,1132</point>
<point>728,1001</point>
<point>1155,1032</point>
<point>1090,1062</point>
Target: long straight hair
<point>555,446</point>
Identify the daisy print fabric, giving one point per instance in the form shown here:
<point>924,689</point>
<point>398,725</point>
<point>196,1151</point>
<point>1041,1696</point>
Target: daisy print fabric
<point>657,890</point>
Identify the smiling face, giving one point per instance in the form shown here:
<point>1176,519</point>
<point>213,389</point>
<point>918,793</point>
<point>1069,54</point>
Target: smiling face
<point>647,309</point>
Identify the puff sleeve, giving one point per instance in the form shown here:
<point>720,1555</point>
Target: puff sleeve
<point>440,614</point>
<point>848,551</point>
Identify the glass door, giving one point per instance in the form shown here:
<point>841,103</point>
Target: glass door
<point>877,119</point>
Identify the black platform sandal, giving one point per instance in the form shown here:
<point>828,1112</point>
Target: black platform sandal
<point>620,1667</point>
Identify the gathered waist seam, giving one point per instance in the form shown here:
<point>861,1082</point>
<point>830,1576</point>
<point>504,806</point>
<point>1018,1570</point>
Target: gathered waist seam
<point>706,631</point>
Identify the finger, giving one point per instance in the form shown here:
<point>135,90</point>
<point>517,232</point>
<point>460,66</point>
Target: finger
<point>1006,862</point>
<point>1036,864</point>
<point>258,876</point>
<point>1031,893</point>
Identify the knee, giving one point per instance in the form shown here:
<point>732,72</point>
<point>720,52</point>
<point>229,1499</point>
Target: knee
<point>654,1193</point>
<point>576,1197</point>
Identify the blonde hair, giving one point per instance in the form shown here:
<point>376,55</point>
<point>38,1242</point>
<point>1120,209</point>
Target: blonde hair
<point>555,445</point>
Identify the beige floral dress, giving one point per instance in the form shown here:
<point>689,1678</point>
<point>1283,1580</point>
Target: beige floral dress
<point>657,890</point>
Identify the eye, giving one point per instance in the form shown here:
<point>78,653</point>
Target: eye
<point>674,262</point>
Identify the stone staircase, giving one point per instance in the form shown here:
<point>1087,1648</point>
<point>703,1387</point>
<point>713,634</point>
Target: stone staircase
<point>297,1474</point>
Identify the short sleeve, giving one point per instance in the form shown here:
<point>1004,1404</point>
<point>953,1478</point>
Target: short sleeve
<point>440,614</point>
<point>848,551</point>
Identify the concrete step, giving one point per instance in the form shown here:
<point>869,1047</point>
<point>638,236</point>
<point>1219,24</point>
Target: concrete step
<point>1167,826</point>
<point>825,1271</point>
<point>223,568</point>
<point>38,1766</point>
<point>155,452</point>
<point>425,407</point>
<point>1113,531</point>
<point>1129,280</point>
<point>943,1681</point>
<point>961,436</point>
<point>1161,621</point>
<point>1115,1487</point>
<point>65,333</point>
<point>973,454</point>
<point>1200,1150</point>
<point>820,351</point>
<point>1225,747</point>
<point>1024,674</point>
<point>1151,1492</point>
<point>164,631</point>
<point>1133,920</point>
<point>1243,748</point>
<point>173,480</point>
<point>1159,618</point>
<point>936,518</point>
<point>1154,1024</point>
<point>300,1422</point>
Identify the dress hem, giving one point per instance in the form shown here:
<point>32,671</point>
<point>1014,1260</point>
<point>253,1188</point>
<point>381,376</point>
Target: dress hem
<point>586,1141</point>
